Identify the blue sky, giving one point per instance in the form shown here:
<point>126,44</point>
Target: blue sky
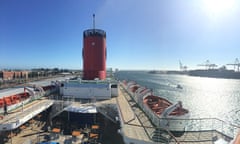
<point>141,34</point>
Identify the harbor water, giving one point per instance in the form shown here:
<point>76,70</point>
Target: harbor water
<point>203,97</point>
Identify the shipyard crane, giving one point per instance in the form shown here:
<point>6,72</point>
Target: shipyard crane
<point>236,64</point>
<point>182,67</point>
<point>208,65</point>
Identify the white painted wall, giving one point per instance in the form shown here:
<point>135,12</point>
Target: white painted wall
<point>87,91</point>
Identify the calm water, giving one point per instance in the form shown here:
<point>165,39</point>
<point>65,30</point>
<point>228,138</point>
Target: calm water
<point>204,97</point>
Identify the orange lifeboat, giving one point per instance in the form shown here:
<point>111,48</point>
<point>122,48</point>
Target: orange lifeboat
<point>7,101</point>
<point>1,103</point>
<point>15,99</point>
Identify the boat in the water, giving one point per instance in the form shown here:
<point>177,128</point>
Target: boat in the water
<point>179,86</point>
<point>160,111</point>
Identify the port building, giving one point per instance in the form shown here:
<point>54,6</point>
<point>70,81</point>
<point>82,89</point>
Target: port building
<point>10,75</point>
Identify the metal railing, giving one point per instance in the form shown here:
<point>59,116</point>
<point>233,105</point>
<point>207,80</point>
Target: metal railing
<point>226,129</point>
<point>204,124</point>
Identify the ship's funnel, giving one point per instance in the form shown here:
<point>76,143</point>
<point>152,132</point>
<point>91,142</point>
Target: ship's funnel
<point>94,53</point>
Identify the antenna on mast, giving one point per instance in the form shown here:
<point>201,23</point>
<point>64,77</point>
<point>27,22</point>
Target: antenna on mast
<point>93,21</point>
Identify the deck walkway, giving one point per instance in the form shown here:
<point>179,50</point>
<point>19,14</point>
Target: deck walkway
<point>132,127</point>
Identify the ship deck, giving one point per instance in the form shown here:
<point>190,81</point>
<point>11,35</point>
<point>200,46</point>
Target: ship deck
<point>19,116</point>
<point>132,127</point>
<point>137,126</point>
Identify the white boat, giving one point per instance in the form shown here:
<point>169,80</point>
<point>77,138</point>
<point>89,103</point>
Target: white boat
<point>160,111</point>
